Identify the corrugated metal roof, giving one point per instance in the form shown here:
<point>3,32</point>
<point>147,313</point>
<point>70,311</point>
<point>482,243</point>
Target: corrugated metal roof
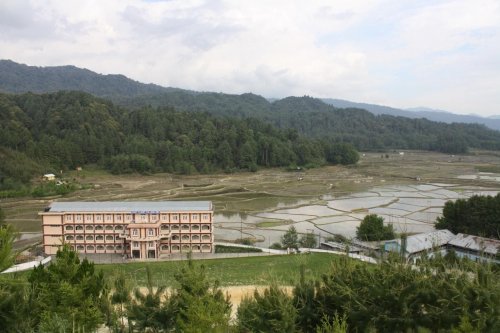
<point>426,241</point>
<point>476,243</point>
<point>131,206</point>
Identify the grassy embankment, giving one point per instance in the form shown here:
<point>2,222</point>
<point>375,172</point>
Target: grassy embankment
<point>284,269</point>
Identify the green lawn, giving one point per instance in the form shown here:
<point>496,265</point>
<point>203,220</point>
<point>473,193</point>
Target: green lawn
<point>230,272</point>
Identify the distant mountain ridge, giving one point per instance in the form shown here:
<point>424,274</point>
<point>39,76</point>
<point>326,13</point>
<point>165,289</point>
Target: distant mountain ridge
<point>492,122</point>
<point>19,78</point>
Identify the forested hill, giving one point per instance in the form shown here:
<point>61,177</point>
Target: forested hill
<point>309,116</point>
<point>49,132</point>
<point>20,78</point>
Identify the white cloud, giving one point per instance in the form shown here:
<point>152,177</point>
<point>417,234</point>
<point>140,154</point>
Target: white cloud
<point>436,53</point>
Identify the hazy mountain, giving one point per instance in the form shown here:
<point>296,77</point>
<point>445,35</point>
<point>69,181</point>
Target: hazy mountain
<point>20,78</point>
<point>420,112</point>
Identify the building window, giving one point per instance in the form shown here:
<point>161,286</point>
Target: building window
<point>108,217</point>
<point>174,227</point>
<point>151,244</point>
<point>110,247</point>
<point>195,248</point>
<point>195,227</point>
<point>88,217</point>
<point>205,247</point>
<point>184,217</point>
<point>205,237</point>
<point>100,247</point>
<point>99,238</point>
<point>69,238</point>
<point>195,237</point>
<point>164,247</point>
<point>185,237</point>
<point>117,237</point>
<point>143,217</point>
<point>98,227</point>
<point>79,228</point>
<point>90,247</point>
<point>164,227</point>
<point>118,228</point>
<point>163,217</point>
<point>135,244</point>
<point>68,218</point>
<point>89,237</point>
<point>69,228</point>
<point>118,247</point>
<point>185,247</point>
<point>79,217</point>
<point>205,216</point>
<point>80,247</point>
<point>128,217</point>
<point>154,217</point>
<point>89,227</point>
<point>195,216</point>
<point>118,217</point>
<point>174,217</point>
<point>98,217</point>
<point>151,232</point>
<point>175,247</point>
<point>175,237</point>
<point>135,232</point>
<point>79,237</point>
<point>109,237</point>
<point>109,227</point>
<point>205,227</point>
<point>185,227</point>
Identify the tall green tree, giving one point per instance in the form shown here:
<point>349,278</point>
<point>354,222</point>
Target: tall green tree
<point>271,311</point>
<point>372,229</point>
<point>200,305</point>
<point>290,240</point>
<point>68,290</point>
<point>146,311</point>
<point>121,298</point>
<point>7,238</point>
<point>308,240</point>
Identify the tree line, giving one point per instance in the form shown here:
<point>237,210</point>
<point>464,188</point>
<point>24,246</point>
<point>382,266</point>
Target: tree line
<point>437,296</point>
<point>59,131</point>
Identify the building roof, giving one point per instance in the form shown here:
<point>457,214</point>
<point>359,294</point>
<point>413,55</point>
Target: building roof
<point>476,243</point>
<point>130,206</point>
<point>426,241</point>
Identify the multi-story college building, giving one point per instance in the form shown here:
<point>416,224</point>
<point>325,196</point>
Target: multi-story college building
<point>135,229</point>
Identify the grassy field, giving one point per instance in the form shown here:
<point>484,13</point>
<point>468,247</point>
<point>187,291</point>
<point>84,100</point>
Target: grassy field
<point>229,272</point>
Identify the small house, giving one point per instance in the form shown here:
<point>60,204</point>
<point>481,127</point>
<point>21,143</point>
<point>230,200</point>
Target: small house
<point>418,244</point>
<point>49,177</point>
<point>475,247</point>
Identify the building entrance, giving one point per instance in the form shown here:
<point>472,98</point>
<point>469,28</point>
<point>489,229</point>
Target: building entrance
<point>151,254</point>
<point>136,254</point>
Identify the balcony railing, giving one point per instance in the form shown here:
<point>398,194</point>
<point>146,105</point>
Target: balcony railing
<point>162,235</point>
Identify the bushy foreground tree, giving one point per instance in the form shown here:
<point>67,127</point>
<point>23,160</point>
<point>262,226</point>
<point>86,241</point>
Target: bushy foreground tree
<point>372,229</point>
<point>67,293</point>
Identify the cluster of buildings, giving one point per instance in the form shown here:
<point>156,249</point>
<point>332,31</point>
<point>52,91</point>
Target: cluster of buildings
<point>464,246</point>
<point>135,229</point>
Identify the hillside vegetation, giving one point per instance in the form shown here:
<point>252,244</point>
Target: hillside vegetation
<point>64,130</point>
<point>308,116</point>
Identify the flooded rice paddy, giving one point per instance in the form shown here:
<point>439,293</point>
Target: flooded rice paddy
<point>325,201</point>
<point>409,208</point>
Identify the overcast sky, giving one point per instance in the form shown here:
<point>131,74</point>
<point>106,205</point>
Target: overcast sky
<point>440,54</point>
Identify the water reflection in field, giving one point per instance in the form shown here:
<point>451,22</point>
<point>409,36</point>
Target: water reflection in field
<point>409,208</point>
